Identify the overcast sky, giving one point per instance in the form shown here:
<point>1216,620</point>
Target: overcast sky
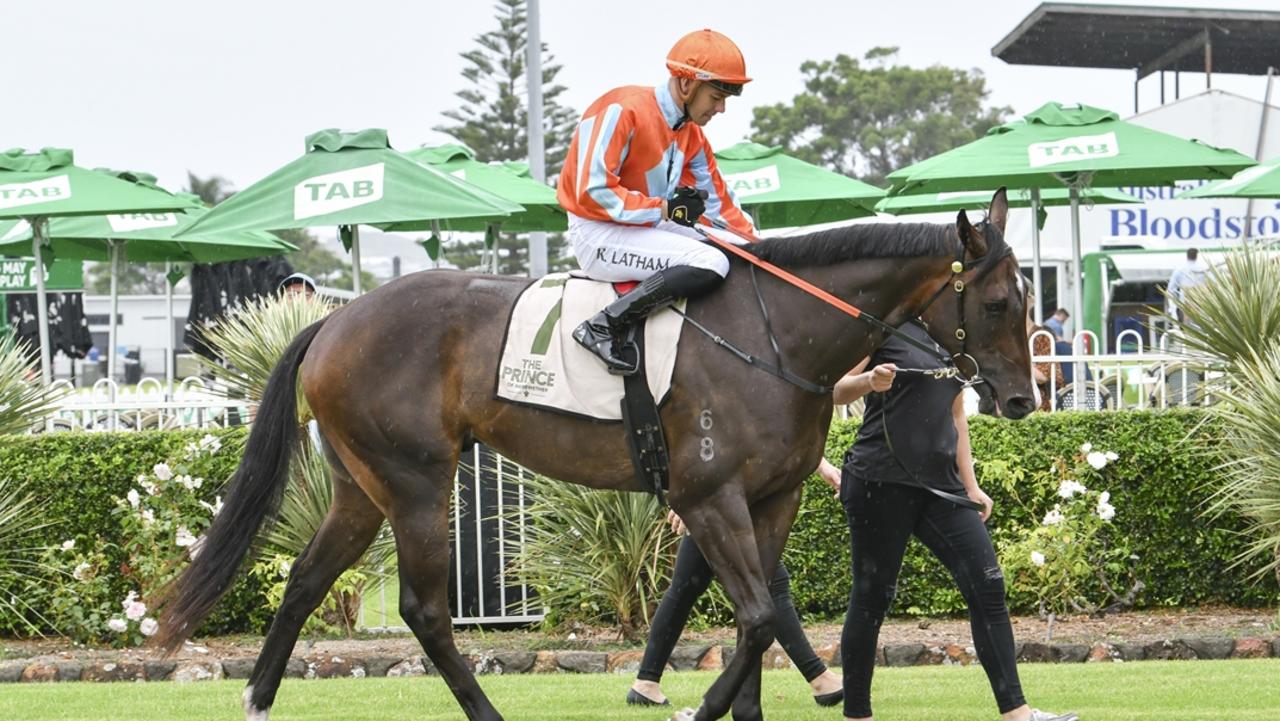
<point>232,87</point>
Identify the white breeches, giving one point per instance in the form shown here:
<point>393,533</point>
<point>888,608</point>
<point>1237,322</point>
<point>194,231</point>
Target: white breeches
<point>615,252</point>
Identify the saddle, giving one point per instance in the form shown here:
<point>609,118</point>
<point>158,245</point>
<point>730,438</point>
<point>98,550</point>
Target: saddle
<point>541,365</point>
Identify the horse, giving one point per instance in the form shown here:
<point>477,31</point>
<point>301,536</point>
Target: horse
<point>402,379</point>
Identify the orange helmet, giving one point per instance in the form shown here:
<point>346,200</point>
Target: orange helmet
<point>708,56</point>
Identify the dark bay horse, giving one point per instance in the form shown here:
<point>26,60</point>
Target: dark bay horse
<point>402,379</point>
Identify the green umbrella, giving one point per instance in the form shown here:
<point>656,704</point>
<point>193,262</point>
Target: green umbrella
<point>781,191</point>
<point>349,179</point>
<point>509,181</point>
<point>980,199</point>
<point>1260,181</point>
<point>47,184</point>
<point>1067,146</point>
<point>143,238</point>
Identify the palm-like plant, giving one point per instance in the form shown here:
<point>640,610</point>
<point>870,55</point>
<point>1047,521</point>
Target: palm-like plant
<point>593,555</point>
<point>20,519</point>
<point>24,401</point>
<point>1235,314</point>
<point>1251,430</point>
<point>1234,318</point>
<point>252,339</point>
<point>303,509</point>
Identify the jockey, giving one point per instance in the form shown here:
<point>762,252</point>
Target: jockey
<point>638,176</point>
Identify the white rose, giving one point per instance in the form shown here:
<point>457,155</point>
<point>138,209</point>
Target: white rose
<point>1112,456</point>
<point>68,545</point>
<point>1104,498</point>
<point>148,517</point>
<point>1069,488</point>
<point>1097,460</point>
<point>1037,558</point>
<point>1086,448</point>
<point>81,573</point>
<point>119,625</point>
<point>162,471</point>
<point>148,627</point>
<point>183,537</point>
<point>135,611</point>
<point>1106,511</point>
<point>1053,518</point>
<point>133,497</point>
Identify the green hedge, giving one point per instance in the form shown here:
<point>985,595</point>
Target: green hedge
<point>74,476</point>
<point>1159,486</point>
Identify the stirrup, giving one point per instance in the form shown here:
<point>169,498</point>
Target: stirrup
<point>604,346</point>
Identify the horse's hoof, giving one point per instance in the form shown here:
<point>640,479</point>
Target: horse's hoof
<point>684,714</point>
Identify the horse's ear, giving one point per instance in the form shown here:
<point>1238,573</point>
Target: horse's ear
<point>972,239</point>
<point>999,212</point>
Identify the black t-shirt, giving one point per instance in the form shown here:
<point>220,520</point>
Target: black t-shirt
<point>921,427</point>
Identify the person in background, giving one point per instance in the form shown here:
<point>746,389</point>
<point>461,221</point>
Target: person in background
<point>1041,346</point>
<point>1056,324</point>
<point>1191,274</point>
<point>298,284</point>
<point>689,580</point>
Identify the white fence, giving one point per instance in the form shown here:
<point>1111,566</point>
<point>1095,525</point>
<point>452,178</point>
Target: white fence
<point>1140,378</point>
<point>107,406</point>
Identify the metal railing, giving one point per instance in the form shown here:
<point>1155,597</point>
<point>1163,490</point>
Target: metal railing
<point>1139,378</point>
<point>487,519</point>
<point>109,406</point>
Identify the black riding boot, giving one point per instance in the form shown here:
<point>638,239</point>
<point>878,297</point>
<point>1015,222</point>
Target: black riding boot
<point>603,332</point>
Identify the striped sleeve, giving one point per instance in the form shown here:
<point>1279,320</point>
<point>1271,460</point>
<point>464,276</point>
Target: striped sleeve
<point>722,204</point>
<point>599,192</point>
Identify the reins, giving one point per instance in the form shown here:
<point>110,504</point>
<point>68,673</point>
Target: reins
<point>948,371</point>
<point>949,368</point>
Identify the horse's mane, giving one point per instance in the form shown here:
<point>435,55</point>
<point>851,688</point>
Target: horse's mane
<point>875,240</point>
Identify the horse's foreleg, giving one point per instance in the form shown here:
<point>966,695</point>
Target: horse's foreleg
<point>722,527</point>
<point>421,525</point>
<point>772,519</point>
<point>347,530</point>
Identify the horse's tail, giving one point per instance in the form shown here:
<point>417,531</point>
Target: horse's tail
<point>252,495</point>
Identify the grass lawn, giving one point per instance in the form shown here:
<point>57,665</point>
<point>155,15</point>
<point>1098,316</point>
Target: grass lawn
<point>1151,690</point>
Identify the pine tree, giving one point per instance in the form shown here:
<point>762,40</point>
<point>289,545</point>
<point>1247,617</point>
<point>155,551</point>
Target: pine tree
<point>493,118</point>
<point>493,121</point>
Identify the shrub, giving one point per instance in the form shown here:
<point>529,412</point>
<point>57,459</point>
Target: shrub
<point>1160,486</point>
<point>595,556</point>
<point>75,481</point>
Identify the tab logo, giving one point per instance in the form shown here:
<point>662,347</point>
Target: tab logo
<point>1069,150</point>
<point>754,182</point>
<point>141,221</point>
<point>331,192</point>
<point>47,190</point>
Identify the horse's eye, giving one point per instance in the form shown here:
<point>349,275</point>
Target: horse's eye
<point>996,307</point>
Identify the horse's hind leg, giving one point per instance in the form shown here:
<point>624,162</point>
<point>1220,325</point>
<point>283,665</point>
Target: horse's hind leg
<point>347,530</point>
<point>420,520</point>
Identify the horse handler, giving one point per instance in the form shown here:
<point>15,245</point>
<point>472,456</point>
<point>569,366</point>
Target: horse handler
<point>912,450</point>
<point>638,175</point>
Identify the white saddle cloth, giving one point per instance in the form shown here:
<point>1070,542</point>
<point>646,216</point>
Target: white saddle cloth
<point>543,365</point>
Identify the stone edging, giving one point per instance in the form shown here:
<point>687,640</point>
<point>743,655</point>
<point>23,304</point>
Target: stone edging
<point>684,658</point>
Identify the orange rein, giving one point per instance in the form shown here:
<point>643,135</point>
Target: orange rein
<point>791,278</point>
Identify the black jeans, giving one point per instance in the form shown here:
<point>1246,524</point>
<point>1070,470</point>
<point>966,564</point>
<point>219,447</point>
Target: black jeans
<point>882,519</point>
<point>690,578</point>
